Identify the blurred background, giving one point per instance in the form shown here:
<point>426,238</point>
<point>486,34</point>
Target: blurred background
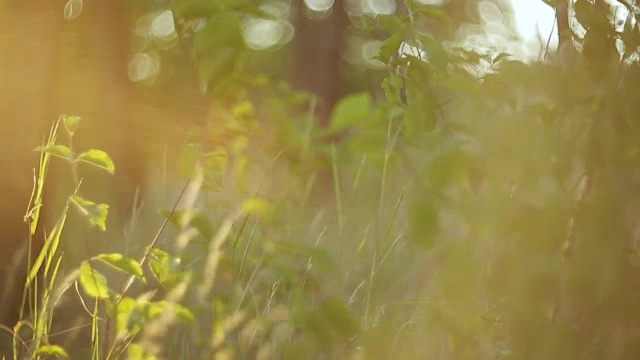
<point>397,179</point>
<point>143,73</point>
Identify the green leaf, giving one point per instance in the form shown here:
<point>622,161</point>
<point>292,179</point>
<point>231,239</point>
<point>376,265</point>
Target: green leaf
<point>125,264</point>
<point>437,55</point>
<point>96,213</point>
<point>159,254</point>
<point>166,269</point>
<point>160,271</point>
<point>71,123</point>
<point>52,350</point>
<point>397,24</point>
<point>223,30</point>
<point>99,159</point>
<point>420,115</point>
<point>48,250</point>
<point>60,151</point>
<point>93,283</point>
<point>389,48</point>
<point>124,309</point>
<point>350,111</point>
<point>392,86</point>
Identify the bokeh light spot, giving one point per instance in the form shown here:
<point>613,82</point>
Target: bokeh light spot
<point>143,67</point>
<point>319,5</point>
<point>262,34</point>
<point>382,7</point>
<point>163,26</point>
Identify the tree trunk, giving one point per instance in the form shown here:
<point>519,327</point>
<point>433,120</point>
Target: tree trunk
<point>317,55</point>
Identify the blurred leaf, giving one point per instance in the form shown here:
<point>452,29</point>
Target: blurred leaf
<point>71,123</point>
<point>243,109</point>
<point>52,350</point>
<point>259,207</point>
<point>137,352</point>
<point>399,25</point>
<point>350,111</point>
<point>96,213</point>
<point>98,158</point>
<point>437,55</point>
<point>125,264</point>
<point>389,48</point>
<point>223,30</point>
<point>393,85</point>
<point>166,269</point>
<point>124,309</point>
<point>420,114</point>
<point>93,283</point>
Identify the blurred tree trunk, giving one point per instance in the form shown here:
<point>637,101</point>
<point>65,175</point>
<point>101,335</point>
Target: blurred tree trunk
<point>317,50</point>
<point>566,50</point>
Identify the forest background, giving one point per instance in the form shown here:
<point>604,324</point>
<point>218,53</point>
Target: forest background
<point>339,179</point>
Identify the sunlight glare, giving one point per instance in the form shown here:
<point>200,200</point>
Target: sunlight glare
<point>535,20</point>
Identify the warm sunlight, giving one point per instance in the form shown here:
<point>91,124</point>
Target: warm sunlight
<point>535,19</point>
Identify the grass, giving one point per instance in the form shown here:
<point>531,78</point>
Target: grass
<point>262,282</point>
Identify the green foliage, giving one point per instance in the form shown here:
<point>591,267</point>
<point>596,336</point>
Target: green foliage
<point>449,212</point>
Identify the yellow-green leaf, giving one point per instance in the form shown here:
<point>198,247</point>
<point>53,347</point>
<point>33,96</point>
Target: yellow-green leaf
<point>99,159</point>
<point>96,213</point>
<point>122,263</point>
<point>93,283</point>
